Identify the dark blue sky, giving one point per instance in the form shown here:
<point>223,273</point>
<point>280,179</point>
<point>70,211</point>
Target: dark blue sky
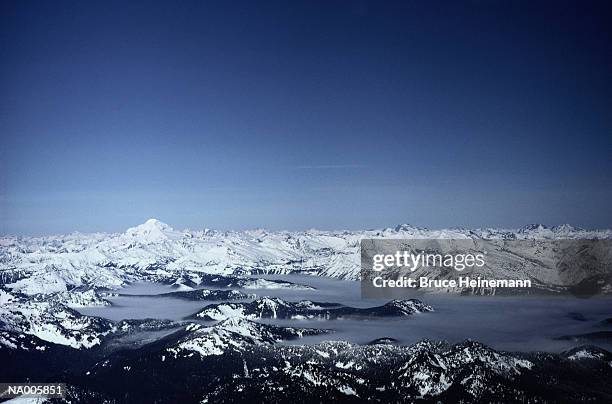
<point>291,115</point>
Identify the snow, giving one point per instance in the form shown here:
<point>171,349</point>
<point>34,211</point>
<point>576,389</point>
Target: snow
<point>584,354</point>
<point>62,271</point>
<point>347,390</point>
<point>233,333</point>
<point>5,297</point>
<point>222,312</point>
<point>50,322</point>
<point>153,231</point>
<point>54,264</point>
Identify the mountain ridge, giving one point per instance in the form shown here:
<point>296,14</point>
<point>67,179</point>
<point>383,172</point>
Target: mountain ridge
<point>53,264</point>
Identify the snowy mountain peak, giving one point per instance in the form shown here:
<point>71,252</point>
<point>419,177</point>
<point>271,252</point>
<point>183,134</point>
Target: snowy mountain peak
<point>405,227</point>
<point>533,227</point>
<point>565,228</point>
<point>154,223</point>
<point>152,231</point>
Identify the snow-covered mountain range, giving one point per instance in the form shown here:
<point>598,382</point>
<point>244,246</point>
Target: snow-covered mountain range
<point>230,349</point>
<point>55,264</point>
<point>238,360</point>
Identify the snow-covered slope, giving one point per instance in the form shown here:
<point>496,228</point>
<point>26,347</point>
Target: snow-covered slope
<point>51,321</point>
<point>233,334</point>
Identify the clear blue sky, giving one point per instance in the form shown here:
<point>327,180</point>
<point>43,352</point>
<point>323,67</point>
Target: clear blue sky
<point>292,115</point>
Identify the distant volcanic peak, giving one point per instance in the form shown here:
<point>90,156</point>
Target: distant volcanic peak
<point>152,230</point>
<point>150,225</point>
